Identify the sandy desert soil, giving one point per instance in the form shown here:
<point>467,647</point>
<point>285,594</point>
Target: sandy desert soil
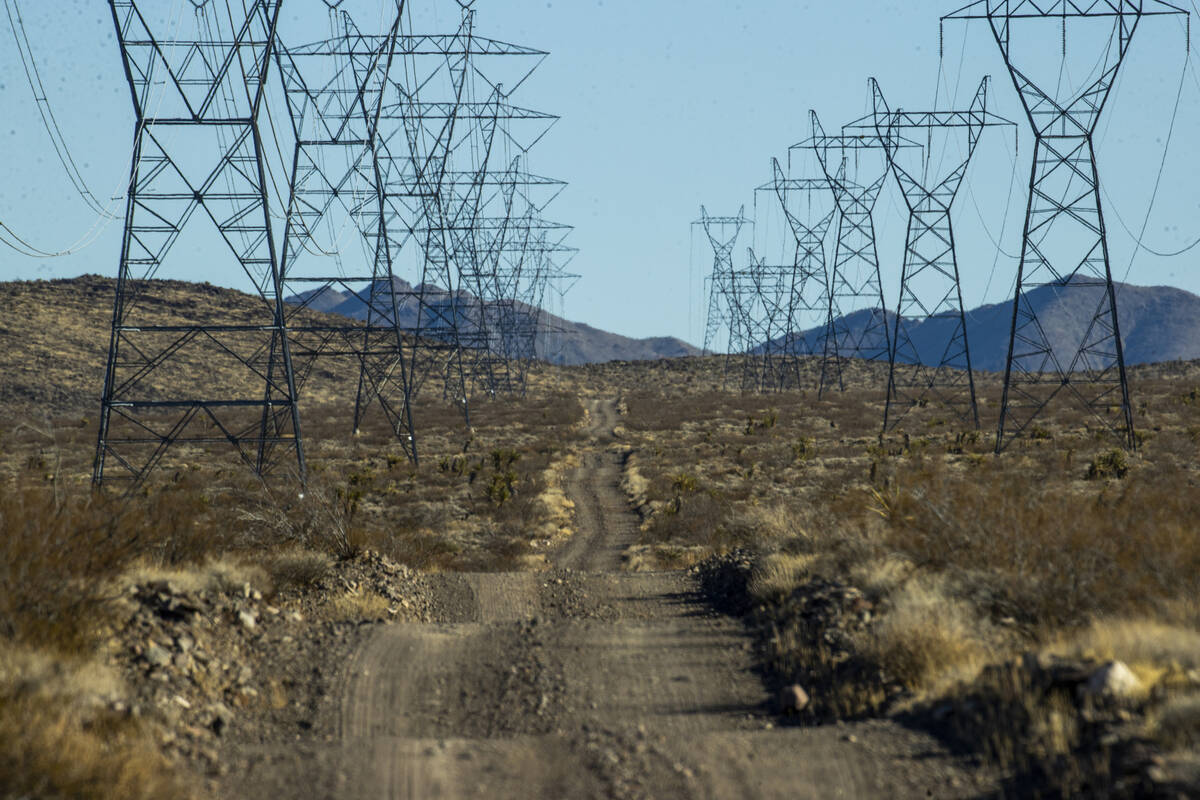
<point>583,681</point>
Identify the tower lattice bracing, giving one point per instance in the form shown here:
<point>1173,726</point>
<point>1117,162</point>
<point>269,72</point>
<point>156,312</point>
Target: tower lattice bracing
<point>722,234</point>
<point>803,201</point>
<point>856,167</point>
<point>458,198</point>
<point>176,375</point>
<point>1065,247</point>
<point>334,91</point>
<point>760,308</point>
<point>772,306</point>
<point>930,359</point>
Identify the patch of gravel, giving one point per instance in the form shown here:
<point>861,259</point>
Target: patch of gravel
<point>212,669</point>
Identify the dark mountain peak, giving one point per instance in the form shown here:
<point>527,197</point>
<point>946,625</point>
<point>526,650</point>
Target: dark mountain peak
<point>573,342</point>
<point>1158,323</point>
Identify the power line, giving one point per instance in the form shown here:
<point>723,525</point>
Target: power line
<point>1138,243</point>
<point>1162,166</point>
<point>41,99</point>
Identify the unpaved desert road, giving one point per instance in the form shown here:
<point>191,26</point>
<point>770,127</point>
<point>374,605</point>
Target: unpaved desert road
<point>587,682</point>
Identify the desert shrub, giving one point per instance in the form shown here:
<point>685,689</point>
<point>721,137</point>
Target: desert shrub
<point>1055,557</point>
<point>925,634</point>
<point>804,449</point>
<point>504,478</point>
<point>695,519</point>
<point>357,605</point>
<point>1039,434</point>
<point>685,483</point>
<point>49,749</point>
<point>54,556</point>
<point>1110,464</point>
<point>766,423</point>
<point>297,569</point>
<point>419,548</point>
<point>777,574</point>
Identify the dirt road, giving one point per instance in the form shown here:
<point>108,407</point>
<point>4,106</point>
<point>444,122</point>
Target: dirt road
<point>585,682</point>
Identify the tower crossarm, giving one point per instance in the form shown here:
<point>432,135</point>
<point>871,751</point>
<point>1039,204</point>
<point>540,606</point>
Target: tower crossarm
<point>927,191</point>
<point>447,44</point>
<point>1036,9</point>
<point>1055,111</point>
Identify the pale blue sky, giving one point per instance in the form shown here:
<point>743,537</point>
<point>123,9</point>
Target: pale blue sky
<point>666,105</point>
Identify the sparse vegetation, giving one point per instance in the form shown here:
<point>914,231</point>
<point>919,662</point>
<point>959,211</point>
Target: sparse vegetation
<point>205,526</point>
<point>913,573</point>
<point>964,560</point>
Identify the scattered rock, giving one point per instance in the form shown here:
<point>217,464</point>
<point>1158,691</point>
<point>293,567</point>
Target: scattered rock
<point>248,620</point>
<point>1115,680</point>
<point>156,656</point>
<point>793,699</point>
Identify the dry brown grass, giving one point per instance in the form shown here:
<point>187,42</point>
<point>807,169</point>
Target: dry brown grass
<point>1062,545</point>
<point>927,639</point>
<point>777,574</point>
<point>62,734</point>
<point>296,568</point>
<point>359,605</point>
<point>1049,555</point>
<point>55,554</point>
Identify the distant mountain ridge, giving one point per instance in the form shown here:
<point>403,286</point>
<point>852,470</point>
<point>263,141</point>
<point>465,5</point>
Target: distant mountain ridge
<point>1158,323</point>
<point>573,342</point>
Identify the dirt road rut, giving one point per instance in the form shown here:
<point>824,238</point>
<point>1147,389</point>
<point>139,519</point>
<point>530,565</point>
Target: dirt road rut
<point>586,682</point>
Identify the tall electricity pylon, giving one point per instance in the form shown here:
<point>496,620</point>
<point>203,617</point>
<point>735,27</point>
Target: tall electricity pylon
<point>856,167</point>
<point>334,92</point>
<point>448,192</point>
<point>722,234</point>
<point>809,228</point>
<point>1065,246</point>
<point>761,306</point>
<point>198,163</point>
<point>930,291</point>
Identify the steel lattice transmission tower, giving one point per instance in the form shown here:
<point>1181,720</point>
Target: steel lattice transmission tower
<point>1064,246</point>
<point>722,234</point>
<point>334,92</point>
<point>761,302</point>
<point>856,167</point>
<point>771,305</point>
<point>938,364</point>
<point>809,227</point>
<point>448,203</point>
<point>198,162</point>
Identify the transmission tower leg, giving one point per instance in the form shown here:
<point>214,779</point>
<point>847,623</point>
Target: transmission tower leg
<point>168,368</point>
<point>1065,253</point>
<point>930,293</point>
<point>712,322</point>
